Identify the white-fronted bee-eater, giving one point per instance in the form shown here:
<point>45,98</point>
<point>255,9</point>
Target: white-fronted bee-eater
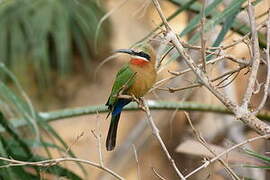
<point>133,79</point>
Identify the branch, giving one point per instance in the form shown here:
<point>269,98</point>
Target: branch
<point>241,113</point>
<point>255,59</point>
<point>155,132</point>
<point>267,81</point>
<point>153,105</point>
<point>207,163</point>
<point>52,162</point>
<point>204,143</point>
<point>238,26</point>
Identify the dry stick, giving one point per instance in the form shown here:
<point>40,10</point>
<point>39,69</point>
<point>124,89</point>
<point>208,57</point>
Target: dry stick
<point>229,57</point>
<point>255,58</point>
<point>155,132</point>
<point>203,40</point>
<point>163,57</point>
<point>224,47</point>
<point>98,137</point>
<point>172,90</point>
<point>223,86</point>
<point>141,11</point>
<point>74,142</point>
<point>204,143</point>
<point>267,81</point>
<point>242,114</point>
<point>157,174</point>
<point>228,74</point>
<point>225,79</point>
<point>175,74</point>
<point>52,162</point>
<point>241,62</point>
<point>207,163</point>
<point>137,162</point>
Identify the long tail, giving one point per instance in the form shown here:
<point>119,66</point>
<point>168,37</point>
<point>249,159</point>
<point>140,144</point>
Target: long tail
<point>111,137</point>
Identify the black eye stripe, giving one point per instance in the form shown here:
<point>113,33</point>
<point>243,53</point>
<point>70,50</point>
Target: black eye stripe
<point>142,54</point>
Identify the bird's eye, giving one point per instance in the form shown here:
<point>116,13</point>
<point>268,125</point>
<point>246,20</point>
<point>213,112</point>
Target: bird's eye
<point>143,54</point>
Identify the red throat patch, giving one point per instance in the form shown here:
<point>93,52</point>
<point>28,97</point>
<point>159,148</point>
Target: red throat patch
<point>138,62</point>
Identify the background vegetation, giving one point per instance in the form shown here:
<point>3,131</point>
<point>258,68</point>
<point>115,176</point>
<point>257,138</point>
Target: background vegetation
<point>49,52</point>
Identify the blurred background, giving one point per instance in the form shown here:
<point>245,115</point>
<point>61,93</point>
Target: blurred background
<point>50,55</point>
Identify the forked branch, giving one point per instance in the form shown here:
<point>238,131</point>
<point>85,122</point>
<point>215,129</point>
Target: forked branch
<point>241,112</point>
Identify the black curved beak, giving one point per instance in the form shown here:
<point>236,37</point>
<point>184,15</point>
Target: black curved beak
<point>127,51</point>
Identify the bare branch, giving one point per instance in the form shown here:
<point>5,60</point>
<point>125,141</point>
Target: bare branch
<point>175,74</point>
<point>172,90</point>
<point>203,40</point>
<point>207,163</point>
<point>137,162</point>
<point>204,143</point>
<point>157,174</point>
<point>155,132</point>
<point>267,81</point>
<point>52,162</point>
<point>241,112</point>
<point>255,58</point>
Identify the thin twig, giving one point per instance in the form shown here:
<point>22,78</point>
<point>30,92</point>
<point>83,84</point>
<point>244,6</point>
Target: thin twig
<point>137,162</point>
<point>267,81</point>
<point>228,83</point>
<point>163,57</point>
<point>228,73</point>
<point>99,140</point>
<point>204,143</point>
<point>157,174</point>
<point>255,58</point>
<point>175,74</point>
<point>207,163</point>
<point>203,40</point>
<point>155,132</point>
<point>52,162</point>
<point>172,90</point>
<point>241,112</point>
<point>74,142</point>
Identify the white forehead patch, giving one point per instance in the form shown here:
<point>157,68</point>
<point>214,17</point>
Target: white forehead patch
<point>139,57</point>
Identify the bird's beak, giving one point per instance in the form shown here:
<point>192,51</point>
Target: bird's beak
<point>127,51</point>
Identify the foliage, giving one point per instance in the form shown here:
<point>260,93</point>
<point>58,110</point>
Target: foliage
<point>261,157</point>
<point>19,143</point>
<point>47,35</point>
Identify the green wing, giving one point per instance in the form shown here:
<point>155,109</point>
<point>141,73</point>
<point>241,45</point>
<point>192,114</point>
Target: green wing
<point>124,78</point>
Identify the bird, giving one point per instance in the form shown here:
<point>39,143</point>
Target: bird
<point>135,79</point>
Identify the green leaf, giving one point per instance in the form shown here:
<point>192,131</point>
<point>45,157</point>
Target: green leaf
<point>260,167</point>
<point>259,156</point>
<point>196,20</point>
<point>20,106</point>
<point>49,129</point>
<point>225,28</point>
<point>186,5</point>
<point>219,18</point>
<point>61,36</point>
<point>42,34</point>
<point>237,26</point>
<point>7,173</point>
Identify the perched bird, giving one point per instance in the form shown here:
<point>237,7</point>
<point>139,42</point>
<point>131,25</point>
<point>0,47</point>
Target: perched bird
<point>134,79</point>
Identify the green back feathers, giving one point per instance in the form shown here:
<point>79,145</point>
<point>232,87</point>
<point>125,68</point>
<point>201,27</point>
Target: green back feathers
<point>124,79</point>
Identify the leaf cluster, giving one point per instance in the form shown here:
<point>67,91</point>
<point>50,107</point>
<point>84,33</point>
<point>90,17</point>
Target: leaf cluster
<point>47,35</point>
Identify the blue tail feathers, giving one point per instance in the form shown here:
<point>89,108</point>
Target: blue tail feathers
<point>117,109</point>
<point>119,106</point>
